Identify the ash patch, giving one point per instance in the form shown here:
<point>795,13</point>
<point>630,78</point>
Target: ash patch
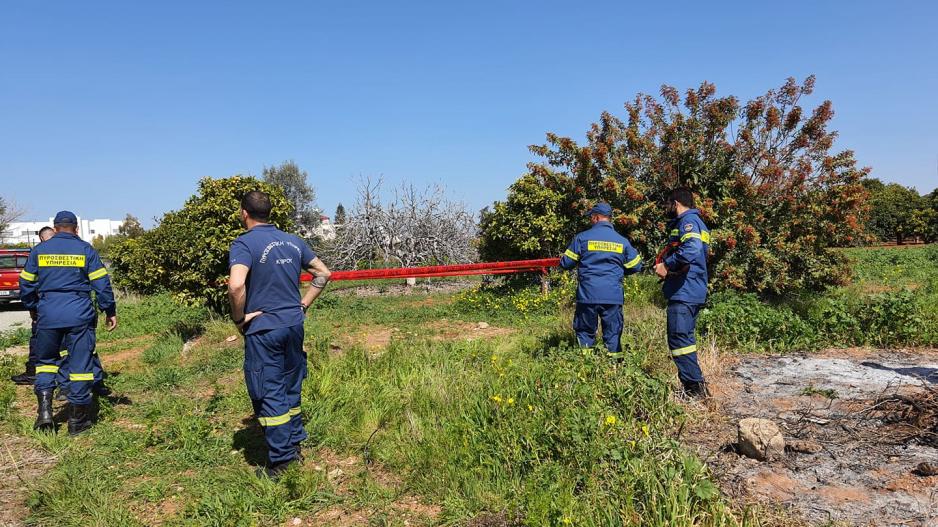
<point>872,415</point>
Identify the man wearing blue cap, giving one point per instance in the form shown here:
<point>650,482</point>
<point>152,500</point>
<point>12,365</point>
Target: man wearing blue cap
<point>602,258</point>
<point>57,282</point>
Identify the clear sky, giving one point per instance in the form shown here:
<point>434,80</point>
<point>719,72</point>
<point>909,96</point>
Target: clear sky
<point>115,107</point>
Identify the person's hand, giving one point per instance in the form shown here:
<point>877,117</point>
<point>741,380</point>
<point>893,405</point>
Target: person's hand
<point>661,270</point>
<point>111,323</point>
<point>242,327</point>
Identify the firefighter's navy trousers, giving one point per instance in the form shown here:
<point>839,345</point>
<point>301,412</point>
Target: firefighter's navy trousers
<point>274,369</point>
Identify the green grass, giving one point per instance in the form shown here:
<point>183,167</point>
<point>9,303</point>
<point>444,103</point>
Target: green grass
<point>523,424</point>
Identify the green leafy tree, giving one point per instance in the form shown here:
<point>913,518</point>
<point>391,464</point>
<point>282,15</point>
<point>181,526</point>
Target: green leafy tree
<point>131,227</point>
<point>776,198</point>
<point>533,222</point>
<point>295,186</point>
<point>896,212</point>
<point>187,252</point>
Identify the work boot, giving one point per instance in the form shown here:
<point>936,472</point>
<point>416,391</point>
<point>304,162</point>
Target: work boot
<point>697,390</point>
<point>79,418</point>
<point>27,378</point>
<point>44,418</point>
<point>276,470</point>
<point>61,395</point>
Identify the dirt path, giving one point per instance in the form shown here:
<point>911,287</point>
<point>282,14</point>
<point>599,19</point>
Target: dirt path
<point>869,416</point>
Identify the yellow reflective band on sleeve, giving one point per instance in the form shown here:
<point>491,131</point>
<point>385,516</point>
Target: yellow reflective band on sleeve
<point>78,377</point>
<point>605,247</point>
<point>275,421</point>
<point>61,260</point>
<point>97,274</point>
<point>684,351</point>
<point>572,255</point>
<point>47,368</point>
<point>63,353</point>
<point>29,277</point>
<point>705,236</point>
<point>633,262</point>
<point>675,232</point>
<point>294,411</point>
<point>691,235</point>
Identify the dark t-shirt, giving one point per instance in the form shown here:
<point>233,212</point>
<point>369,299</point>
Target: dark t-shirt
<point>275,260</point>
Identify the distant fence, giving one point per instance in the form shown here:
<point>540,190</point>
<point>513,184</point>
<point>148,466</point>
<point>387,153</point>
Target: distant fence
<point>437,271</point>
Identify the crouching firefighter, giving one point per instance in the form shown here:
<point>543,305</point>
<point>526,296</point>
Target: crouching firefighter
<point>602,258</point>
<point>57,282</point>
<point>683,267</point>
<point>263,289</point>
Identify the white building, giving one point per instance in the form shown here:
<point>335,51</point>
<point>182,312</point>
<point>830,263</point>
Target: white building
<point>28,231</point>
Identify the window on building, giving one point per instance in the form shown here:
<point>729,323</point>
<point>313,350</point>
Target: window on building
<point>27,233</point>
<point>92,231</point>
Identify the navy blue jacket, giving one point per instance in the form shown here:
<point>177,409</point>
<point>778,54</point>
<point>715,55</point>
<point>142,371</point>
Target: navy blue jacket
<point>603,258</point>
<point>689,231</point>
<point>275,259</point>
<point>57,281</point>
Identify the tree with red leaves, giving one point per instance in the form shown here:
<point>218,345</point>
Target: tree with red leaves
<point>777,199</point>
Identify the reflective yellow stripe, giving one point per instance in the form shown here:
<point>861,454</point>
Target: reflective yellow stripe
<point>606,247</point>
<point>689,236</point>
<point>274,421</point>
<point>80,377</point>
<point>29,277</point>
<point>47,368</point>
<point>61,260</point>
<point>294,411</point>
<point>684,351</point>
<point>572,255</point>
<point>675,232</point>
<point>705,236</point>
<point>97,274</point>
<point>633,262</point>
<point>63,353</point>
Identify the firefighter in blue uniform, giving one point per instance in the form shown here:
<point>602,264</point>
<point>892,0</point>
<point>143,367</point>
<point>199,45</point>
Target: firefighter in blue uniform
<point>263,288</point>
<point>57,282</point>
<point>684,270</point>
<point>28,377</point>
<point>602,258</point>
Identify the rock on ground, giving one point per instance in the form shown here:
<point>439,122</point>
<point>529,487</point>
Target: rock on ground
<point>760,439</point>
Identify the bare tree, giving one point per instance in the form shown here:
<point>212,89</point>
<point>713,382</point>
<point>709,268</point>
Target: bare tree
<point>414,227</point>
<point>9,213</point>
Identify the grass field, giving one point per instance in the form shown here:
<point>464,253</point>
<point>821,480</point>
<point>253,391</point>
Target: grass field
<point>467,408</point>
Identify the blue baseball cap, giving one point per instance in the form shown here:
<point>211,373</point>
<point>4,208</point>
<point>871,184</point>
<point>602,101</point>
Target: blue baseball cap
<point>65,217</point>
<point>601,208</point>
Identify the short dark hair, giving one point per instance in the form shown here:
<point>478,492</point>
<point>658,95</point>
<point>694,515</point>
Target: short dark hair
<point>682,195</point>
<point>44,229</point>
<point>257,205</point>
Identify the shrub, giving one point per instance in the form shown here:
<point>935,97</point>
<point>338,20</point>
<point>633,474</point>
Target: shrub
<point>187,253</point>
<point>741,320</point>
<point>774,195</point>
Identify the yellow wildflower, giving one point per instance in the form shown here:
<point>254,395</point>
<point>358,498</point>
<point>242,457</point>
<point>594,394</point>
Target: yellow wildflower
<point>610,420</point>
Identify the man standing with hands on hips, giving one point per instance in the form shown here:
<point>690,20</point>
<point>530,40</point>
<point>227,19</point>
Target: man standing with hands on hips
<point>265,265</point>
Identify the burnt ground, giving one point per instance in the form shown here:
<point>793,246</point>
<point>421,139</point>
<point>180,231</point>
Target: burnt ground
<point>865,420</point>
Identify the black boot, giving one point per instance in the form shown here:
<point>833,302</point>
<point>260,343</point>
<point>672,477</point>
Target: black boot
<point>276,470</point>
<point>697,390</point>
<point>62,395</point>
<point>79,418</point>
<point>44,417</point>
<point>27,378</point>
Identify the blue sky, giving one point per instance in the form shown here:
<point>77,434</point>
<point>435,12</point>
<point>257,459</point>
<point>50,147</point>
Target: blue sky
<point>115,107</point>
